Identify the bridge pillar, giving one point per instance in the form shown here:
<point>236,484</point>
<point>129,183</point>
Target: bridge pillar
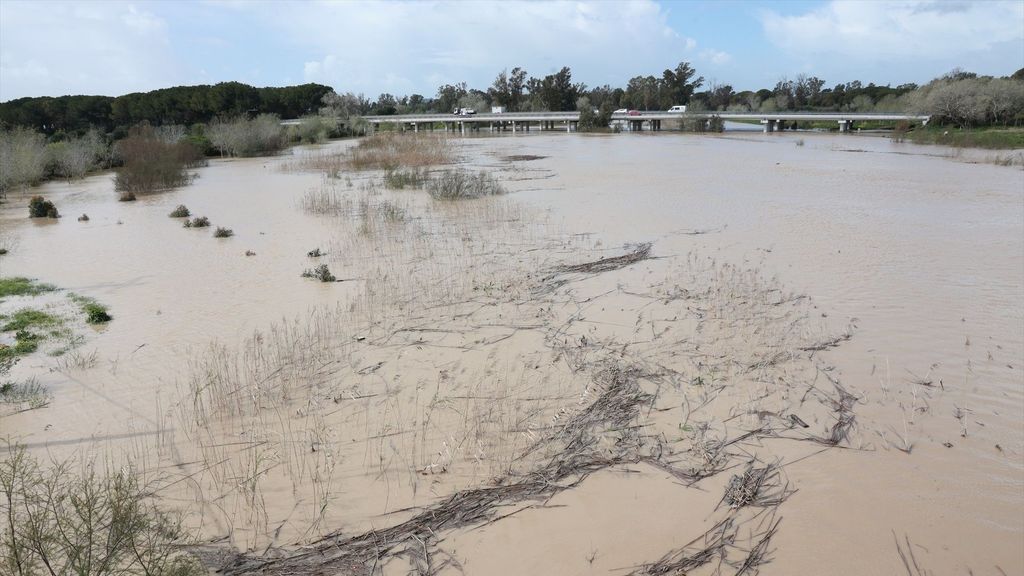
<point>513,126</point>
<point>769,125</point>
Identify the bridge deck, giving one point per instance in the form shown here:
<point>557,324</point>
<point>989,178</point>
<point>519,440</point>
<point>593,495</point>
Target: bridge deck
<point>643,116</point>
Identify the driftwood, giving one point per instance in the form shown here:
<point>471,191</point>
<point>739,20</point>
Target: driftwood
<point>639,252</point>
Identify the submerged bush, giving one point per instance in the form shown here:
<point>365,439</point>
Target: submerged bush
<point>90,522</point>
<point>153,163</point>
<point>197,222</point>
<point>223,232</point>
<point>83,218</point>
<point>126,196</point>
<point>76,156</point>
<point>460,185</point>
<point>243,137</point>
<point>23,158</point>
<point>96,313</point>
<point>399,179</point>
<point>321,273</point>
<point>180,212</point>
<point>39,207</point>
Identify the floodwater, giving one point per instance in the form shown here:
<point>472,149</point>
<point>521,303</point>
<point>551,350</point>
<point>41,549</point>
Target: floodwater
<point>437,363</point>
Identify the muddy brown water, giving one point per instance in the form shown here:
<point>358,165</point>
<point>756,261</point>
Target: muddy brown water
<point>919,252</point>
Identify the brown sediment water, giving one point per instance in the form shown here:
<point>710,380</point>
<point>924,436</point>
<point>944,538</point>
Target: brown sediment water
<point>453,348</point>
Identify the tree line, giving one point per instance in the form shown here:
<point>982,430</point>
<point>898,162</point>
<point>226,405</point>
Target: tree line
<point>960,98</point>
<point>183,105</point>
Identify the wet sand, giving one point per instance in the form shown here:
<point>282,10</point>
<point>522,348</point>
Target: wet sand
<point>438,364</point>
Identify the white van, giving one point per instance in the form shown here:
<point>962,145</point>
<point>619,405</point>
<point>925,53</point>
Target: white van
<point>677,109</point>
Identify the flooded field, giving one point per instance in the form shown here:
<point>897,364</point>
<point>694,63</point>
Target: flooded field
<point>795,354</point>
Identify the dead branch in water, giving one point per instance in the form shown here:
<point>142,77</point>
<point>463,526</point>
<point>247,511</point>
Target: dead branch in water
<point>639,252</point>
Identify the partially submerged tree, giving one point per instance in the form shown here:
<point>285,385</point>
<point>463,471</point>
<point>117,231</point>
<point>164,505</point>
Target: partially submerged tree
<point>23,158</point>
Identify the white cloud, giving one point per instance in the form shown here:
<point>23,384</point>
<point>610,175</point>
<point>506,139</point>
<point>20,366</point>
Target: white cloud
<point>715,57</point>
<point>415,46</point>
<point>53,48</point>
<point>888,32</point>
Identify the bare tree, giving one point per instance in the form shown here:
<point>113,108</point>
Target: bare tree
<point>23,158</point>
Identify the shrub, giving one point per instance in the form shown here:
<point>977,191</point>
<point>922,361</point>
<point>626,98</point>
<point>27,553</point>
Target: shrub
<point>315,253</point>
<point>223,232</point>
<point>197,222</point>
<point>460,185</point>
<point>75,157</point>
<point>243,137</point>
<point>321,273</point>
<point>312,129</point>
<point>96,313</point>
<point>92,523</point>
<point>126,196</point>
<point>83,218</point>
<point>180,212</point>
<point>39,207</point>
<point>23,158</point>
<point>151,162</point>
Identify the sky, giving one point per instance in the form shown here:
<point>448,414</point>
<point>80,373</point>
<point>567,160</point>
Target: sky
<point>54,47</point>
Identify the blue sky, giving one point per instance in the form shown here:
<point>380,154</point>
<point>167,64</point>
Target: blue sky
<point>53,47</point>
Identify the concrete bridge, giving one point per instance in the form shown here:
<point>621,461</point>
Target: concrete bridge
<point>634,120</point>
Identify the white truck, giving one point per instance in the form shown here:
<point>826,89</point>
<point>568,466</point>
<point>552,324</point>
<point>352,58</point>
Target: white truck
<point>678,108</point>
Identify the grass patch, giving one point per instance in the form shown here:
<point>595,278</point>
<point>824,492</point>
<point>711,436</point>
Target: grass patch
<point>223,232</point>
<point>180,212</point>
<point>25,342</point>
<point>95,313</point>
<point>18,286</point>
<point>461,185</point>
<point>30,392</point>
<point>28,318</point>
<point>988,138</point>
<point>400,179</point>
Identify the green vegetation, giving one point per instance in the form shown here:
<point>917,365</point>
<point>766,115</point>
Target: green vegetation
<point>27,318</point>
<point>461,185</point>
<point>223,232</point>
<point>180,212</point>
<point>25,342</point>
<point>18,286</point>
<point>184,105</point>
<point>71,518</point>
<point>321,273</point>
<point>991,138</point>
<point>95,313</point>
<point>39,207</point>
<point>197,222</point>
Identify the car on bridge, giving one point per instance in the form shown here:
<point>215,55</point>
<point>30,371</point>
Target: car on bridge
<point>464,112</point>
<point>678,108</point>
